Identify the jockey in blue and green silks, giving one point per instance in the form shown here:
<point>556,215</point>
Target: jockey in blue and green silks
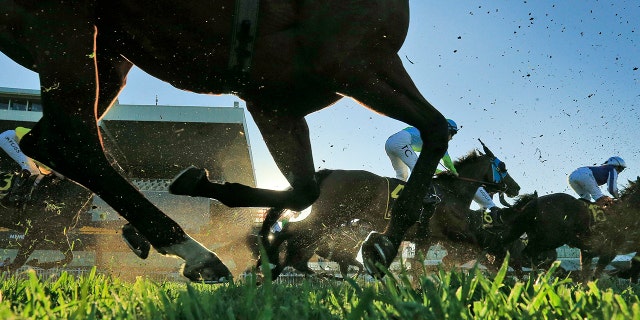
<point>402,146</point>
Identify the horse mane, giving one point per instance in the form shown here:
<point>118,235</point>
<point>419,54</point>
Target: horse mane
<point>444,176</point>
<point>322,174</point>
<point>631,188</point>
<point>470,156</point>
<point>524,199</point>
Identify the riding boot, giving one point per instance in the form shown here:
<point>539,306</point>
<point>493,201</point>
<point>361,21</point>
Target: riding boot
<point>495,215</point>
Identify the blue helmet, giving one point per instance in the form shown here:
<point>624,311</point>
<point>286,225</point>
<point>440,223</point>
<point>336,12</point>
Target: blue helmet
<point>616,162</point>
<point>453,127</point>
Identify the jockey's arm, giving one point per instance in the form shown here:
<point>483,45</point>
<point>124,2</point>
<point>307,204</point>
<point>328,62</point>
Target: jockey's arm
<point>446,160</point>
<point>612,183</point>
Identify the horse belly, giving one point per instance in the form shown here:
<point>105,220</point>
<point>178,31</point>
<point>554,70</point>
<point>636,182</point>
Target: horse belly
<point>187,45</point>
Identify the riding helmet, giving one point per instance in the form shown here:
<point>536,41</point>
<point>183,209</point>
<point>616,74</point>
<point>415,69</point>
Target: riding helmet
<point>617,162</point>
<point>453,127</point>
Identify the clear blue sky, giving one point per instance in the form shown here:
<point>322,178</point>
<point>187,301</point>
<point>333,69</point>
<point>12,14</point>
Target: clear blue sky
<point>547,85</point>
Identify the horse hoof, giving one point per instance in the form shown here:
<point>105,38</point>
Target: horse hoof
<point>186,182</point>
<point>209,271</point>
<point>377,248</point>
<point>136,242</point>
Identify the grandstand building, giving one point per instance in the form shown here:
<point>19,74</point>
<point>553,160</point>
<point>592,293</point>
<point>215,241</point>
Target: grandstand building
<point>150,144</point>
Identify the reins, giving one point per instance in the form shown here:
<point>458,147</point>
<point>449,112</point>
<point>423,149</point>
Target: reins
<point>493,184</point>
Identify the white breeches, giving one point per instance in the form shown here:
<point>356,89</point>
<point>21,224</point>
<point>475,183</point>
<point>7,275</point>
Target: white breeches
<point>584,184</point>
<point>9,143</point>
<point>402,156</point>
<point>483,198</point>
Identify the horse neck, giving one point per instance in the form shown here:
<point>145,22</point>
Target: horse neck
<point>477,169</point>
<point>458,193</point>
<point>626,211</point>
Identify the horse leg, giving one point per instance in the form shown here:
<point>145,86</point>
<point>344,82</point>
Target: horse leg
<point>64,246</point>
<point>301,246</point>
<point>298,255</point>
<point>68,140</point>
<point>287,138</point>
<point>634,271</point>
<point>603,262</point>
<point>586,259</point>
<point>27,247</point>
<point>135,241</point>
<point>390,91</point>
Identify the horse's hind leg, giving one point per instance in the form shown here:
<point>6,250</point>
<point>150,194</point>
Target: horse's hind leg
<point>27,247</point>
<point>65,247</point>
<point>68,140</point>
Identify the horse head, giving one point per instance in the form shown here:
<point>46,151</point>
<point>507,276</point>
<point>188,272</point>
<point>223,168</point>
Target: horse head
<point>627,207</point>
<point>489,171</point>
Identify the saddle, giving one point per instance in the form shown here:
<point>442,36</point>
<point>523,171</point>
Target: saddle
<point>433,198</point>
<point>596,212</point>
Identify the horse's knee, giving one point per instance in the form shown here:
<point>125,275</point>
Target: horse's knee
<point>304,195</point>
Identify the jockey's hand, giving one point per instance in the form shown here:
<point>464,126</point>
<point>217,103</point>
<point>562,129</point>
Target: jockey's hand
<point>604,201</point>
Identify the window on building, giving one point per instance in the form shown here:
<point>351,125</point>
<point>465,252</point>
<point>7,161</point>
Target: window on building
<point>4,103</point>
<point>19,104</point>
<point>34,106</point>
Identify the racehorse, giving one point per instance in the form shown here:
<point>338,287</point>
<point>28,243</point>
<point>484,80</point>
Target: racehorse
<point>53,209</point>
<point>285,59</point>
<point>362,197</point>
<point>557,219</point>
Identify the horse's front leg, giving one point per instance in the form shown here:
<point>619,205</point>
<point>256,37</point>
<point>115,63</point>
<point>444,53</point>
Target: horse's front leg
<point>586,260</point>
<point>634,270</point>
<point>68,140</point>
<point>388,89</point>
<point>603,262</point>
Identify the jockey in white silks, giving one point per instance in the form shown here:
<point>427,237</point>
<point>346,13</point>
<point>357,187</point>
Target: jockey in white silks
<point>402,148</point>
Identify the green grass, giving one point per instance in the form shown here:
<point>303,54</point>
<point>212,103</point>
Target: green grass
<point>441,295</point>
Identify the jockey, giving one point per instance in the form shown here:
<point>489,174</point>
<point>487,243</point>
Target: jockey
<point>585,181</point>
<point>20,189</point>
<point>401,148</point>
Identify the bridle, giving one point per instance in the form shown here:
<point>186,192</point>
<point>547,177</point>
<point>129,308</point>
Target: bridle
<point>499,172</point>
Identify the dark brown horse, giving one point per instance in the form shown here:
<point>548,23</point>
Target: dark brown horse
<point>350,196</point>
<point>286,59</point>
<point>557,219</point>
<point>53,210</point>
